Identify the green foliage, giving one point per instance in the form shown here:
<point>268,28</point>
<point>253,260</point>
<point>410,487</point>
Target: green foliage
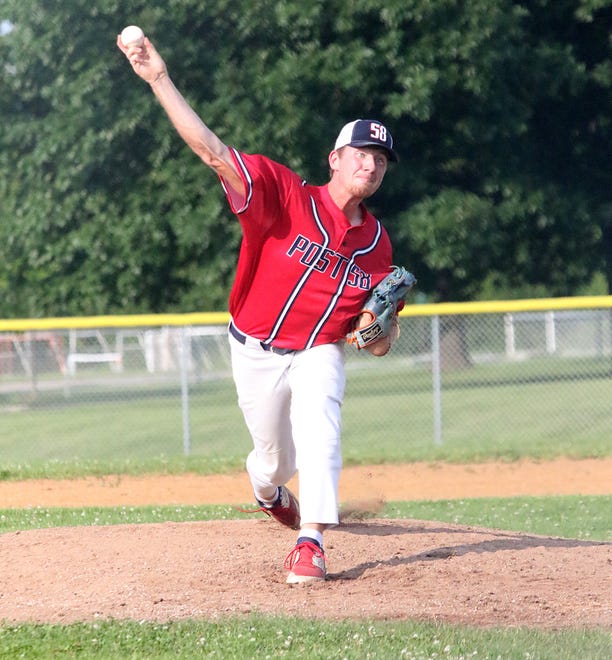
<point>500,110</point>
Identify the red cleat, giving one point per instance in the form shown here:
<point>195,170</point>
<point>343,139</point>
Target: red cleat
<point>286,509</point>
<point>306,563</point>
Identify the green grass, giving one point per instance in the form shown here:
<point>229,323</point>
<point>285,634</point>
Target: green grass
<point>270,637</point>
<point>490,412</point>
<point>569,516</point>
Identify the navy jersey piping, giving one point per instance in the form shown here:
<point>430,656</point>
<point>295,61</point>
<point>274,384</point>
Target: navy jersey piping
<point>341,284</point>
<point>325,316</point>
<point>302,281</point>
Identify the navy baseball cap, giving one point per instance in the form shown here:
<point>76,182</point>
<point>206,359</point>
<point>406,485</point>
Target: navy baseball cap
<point>366,133</point>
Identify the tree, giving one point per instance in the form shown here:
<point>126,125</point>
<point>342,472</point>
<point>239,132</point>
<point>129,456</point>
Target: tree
<point>500,112</point>
<point>102,208</point>
<point>512,147</point>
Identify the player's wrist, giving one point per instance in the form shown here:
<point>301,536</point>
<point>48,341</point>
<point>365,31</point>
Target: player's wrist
<point>159,78</point>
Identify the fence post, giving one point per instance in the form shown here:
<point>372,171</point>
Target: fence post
<point>551,334</point>
<point>184,368</point>
<point>509,335</point>
<point>435,372</point>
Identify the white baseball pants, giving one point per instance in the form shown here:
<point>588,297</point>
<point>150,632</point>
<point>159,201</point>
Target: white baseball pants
<point>292,408</point>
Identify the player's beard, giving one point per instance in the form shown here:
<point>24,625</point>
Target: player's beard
<point>364,188</point>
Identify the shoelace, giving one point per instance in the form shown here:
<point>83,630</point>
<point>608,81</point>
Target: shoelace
<point>259,510</point>
<point>263,509</point>
<point>294,555</point>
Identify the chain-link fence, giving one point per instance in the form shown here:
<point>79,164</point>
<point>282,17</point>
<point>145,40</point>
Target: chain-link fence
<point>505,379</point>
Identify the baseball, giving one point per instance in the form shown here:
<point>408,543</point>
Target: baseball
<point>132,35</point>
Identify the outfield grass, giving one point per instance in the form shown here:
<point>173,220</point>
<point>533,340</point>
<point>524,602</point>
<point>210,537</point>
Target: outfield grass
<point>273,637</point>
<point>490,412</point>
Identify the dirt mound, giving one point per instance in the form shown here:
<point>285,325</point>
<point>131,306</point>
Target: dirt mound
<point>391,569</point>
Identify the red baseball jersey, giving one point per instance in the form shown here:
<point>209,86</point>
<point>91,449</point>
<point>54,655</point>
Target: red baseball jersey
<point>303,271</point>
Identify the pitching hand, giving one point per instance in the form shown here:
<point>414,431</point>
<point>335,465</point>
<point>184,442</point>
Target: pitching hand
<point>145,60</point>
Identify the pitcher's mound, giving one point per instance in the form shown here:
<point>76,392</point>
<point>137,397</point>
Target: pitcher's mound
<point>380,569</point>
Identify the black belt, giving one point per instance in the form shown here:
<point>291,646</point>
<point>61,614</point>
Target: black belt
<point>242,338</point>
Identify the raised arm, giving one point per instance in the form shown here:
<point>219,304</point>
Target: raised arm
<point>149,65</point>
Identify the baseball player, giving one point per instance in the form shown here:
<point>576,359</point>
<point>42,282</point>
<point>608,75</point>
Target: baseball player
<point>308,259</point>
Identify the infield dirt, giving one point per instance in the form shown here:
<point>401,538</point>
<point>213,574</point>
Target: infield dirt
<point>391,569</point>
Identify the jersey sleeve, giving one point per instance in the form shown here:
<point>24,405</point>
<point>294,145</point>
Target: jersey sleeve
<point>267,185</point>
